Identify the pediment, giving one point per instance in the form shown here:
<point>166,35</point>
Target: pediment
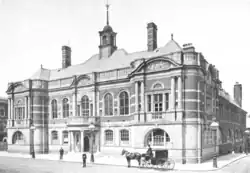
<point>155,64</point>
<point>83,80</point>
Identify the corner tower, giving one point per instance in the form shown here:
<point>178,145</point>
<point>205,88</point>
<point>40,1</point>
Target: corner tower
<point>107,39</point>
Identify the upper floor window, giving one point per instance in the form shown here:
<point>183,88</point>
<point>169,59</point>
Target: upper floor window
<point>85,106</point>
<point>2,113</point>
<point>124,103</point>
<point>65,108</point>
<point>54,108</point>
<point>158,102</point>
<point>19,110</point>
<point>108,103</point>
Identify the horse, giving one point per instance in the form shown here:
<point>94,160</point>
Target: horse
<point>131,156</point>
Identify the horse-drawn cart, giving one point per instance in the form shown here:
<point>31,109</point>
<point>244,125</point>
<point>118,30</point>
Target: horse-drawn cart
<point>160,159</point>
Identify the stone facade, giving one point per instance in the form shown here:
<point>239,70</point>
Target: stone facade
<point>165,97</point>
<point>3,118</point>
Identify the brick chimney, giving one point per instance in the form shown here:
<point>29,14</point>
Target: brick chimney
<point>66,56</point>
<point>238,93</point>
<point>152,36</point>
<point>188,47</point>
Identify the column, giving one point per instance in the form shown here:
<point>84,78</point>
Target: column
<point>69,141</point>
<point>9,113</point>
<point>142,97</point>
<point>25,108</point>
<point>73,105</point>
<point>97,104</point>
<point>94,104</point>
<point>136,96</point>
<point>82,141</point>
<point>72,142</point>
<point>60,133</point>
<point>172,100</point>
<point>179,93</point>
<point>164,102</point>
<point>12,109</point>
<point>152,103</point>
<point>28,108</point>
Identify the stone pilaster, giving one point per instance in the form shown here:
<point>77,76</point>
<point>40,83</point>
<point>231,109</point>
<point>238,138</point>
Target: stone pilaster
<point>172,100</point>
<point>142,97</point>
<point>179,92</point>
<point>136,96</point>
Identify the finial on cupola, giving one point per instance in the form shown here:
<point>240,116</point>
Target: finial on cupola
<point>172,36</point>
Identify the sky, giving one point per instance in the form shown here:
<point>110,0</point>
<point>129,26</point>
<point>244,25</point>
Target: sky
<point>32,33</point>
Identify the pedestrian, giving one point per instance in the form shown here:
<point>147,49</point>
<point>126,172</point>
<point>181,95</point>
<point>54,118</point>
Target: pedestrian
<point>61,151</point>
<point>33,154</point>
<point>84,158</point>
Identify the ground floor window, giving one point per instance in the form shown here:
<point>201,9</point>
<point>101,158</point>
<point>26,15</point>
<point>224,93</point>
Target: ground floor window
<point>124,136</point>
<point>109,137</point>
<point>54,138</point>
<point>157,137</point>
<point>18,138</point>
<point>65,137</point>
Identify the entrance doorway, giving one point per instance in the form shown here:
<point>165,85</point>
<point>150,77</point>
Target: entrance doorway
<point>86,144</point>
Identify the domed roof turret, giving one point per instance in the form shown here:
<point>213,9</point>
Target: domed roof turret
<point>107,28</point>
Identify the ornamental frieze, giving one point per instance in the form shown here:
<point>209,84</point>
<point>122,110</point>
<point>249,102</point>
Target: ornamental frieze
<point>158,65</point>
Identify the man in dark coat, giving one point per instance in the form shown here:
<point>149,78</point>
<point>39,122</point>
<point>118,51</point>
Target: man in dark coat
<point>84,157</point>
<point>149,151</point>
<point>61,151</point>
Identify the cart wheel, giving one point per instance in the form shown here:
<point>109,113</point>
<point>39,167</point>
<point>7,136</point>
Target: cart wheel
<point>171,164</point>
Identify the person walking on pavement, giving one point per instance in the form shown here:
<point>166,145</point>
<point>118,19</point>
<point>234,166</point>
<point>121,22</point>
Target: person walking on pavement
<point>61,151</point>
<point>84,158</point>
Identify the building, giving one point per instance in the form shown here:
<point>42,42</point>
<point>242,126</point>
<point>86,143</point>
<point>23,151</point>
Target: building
<point>164,96</point>
<point>3,118</point>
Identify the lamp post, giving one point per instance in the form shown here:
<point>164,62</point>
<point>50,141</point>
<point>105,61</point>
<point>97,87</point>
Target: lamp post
<point>214,125</point>
<point>247,132</point>
<point>32,128</point>
<point>92,128</point>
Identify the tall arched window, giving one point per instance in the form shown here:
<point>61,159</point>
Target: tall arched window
<point>124,136</point>
<point>54,108</point>
<point>65,108</point>
<point>108,103</point>
<point>105,40</point>
<point>85,106</point>
<point>18,138</point>
<point>108,137</point>
<point>124,103</point>
<point>19,110</point>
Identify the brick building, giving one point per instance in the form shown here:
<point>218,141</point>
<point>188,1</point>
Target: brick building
<point>3,118</point>
<point>164,96</point>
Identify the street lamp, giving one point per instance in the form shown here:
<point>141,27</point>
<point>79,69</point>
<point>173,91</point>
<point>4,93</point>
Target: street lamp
<point>92,128</point>
<point>32,128</point>
<point>214,125</point>
<point>247,132</point>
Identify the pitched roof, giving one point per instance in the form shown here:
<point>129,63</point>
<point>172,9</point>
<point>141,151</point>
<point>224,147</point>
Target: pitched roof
<point>119,59</point>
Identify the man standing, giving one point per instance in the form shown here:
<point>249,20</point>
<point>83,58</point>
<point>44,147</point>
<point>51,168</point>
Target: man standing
<point>61,151</point>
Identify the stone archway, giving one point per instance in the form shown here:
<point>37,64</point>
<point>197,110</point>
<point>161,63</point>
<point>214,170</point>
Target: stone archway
<point>156,137</point>
<point>18,138</point>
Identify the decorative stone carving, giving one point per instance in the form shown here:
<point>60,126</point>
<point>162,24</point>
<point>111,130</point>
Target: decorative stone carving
<point>158,65</point>
<point>83,82</point>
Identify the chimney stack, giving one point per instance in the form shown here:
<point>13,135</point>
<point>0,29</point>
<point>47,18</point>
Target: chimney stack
<point>152,36</point>
<point>66,56</point>
<point>188,47</point>
<point>238,93</point>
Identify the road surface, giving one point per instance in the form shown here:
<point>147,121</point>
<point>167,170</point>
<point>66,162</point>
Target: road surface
<point>22,165</point>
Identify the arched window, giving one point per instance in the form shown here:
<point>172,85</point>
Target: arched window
<point>85,106</point>
<point>105,40</point>
<point>19,110</point>
<point>108,103</point>
<point>157,86</point>
<point>108,137</point>
<point>65,108</point>
<point>18,138</point>
<point>65,137</point>
<point>54,138</point>
<point>124,136</point>
<point>54,108</point>
<point>124,103</point>
<point>157,137</point>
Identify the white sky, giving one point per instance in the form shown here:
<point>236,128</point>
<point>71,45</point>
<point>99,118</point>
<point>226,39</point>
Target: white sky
<point>33,31</point>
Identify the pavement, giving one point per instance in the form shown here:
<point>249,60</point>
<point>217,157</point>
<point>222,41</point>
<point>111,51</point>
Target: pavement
<point>118,160</point>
